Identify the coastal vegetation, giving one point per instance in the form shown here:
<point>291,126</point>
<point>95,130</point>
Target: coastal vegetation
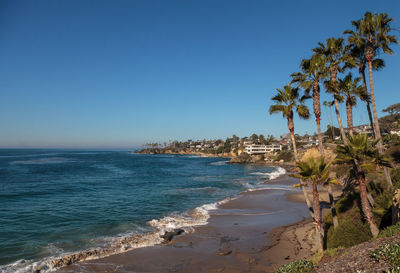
<point>366,157</point>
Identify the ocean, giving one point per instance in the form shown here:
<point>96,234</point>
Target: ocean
<point>55,202</point>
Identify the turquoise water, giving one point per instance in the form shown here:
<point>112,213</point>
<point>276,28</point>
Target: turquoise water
<point>53,201</point>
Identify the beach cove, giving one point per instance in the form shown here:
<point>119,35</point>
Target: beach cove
<point>256,232</point>
<point>71,206</point>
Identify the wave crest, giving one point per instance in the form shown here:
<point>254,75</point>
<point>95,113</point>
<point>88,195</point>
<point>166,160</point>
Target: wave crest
<point>275,174</point>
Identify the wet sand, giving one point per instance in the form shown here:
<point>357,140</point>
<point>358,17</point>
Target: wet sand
<point>256,232</point>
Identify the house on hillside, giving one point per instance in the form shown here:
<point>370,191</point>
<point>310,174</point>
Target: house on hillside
<point>362,129</point>
<point>262,149</point>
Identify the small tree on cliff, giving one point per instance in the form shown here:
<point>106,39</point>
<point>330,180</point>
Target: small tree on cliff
<point>316,171</point>
<point>363,156</point>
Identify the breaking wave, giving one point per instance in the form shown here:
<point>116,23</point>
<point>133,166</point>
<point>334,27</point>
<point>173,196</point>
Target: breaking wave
<point>279,171</point>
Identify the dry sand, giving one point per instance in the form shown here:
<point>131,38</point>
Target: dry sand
<point>256,232</point>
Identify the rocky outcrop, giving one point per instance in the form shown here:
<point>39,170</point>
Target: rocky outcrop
<point>244,158</point>
<point>168,236</point>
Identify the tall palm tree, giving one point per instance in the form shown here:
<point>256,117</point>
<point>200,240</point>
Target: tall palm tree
<point>313,70</point>
<point>363,156</point>
<point>316,171</point>
<point>334,52</point>
<point>350,90</point>
<point>356,59</point>
<point>374,32</point>
<point>287,101</point>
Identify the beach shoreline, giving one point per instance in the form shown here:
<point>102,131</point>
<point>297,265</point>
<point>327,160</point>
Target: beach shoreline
<point>256,232</point>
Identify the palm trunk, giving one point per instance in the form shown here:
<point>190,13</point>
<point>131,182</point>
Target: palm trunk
<point>317,113</point>
<point>342,133</point>
<point>291,129</point>
<point>321,146</point>
<point>367,103</point>
<point>370,118</point>
<point>333,79</point>
<point>294,145</point>
<point>366,206</point>
<point>317,218</point>
<point>349,111</point>
<point>308,202</point>
<point>377,128</point>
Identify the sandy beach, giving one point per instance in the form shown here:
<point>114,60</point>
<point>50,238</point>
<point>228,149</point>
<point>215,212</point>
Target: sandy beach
<point>256,232</point>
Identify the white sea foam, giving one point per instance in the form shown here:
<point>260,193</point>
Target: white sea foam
<point>271,187</point>
<point>275,174</point>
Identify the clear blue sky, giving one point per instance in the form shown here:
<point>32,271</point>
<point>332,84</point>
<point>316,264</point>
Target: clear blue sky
<point>122,73</point>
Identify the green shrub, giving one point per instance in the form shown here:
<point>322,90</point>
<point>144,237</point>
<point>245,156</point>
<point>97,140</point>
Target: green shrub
<point>388,252</point>
<point>351,231</point>
<point>394,153</point>
<point>396,178</point>
<point>300,266</point>
<point>390,231</point>
<point>384,200</point>
<point>328,220</point>
<point>347,202</point>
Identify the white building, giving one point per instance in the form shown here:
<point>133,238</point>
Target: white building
<point>262,149</point>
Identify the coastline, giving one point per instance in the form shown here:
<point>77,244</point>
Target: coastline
<point>258,231</point>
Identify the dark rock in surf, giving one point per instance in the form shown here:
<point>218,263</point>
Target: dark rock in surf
<point>168,236</point>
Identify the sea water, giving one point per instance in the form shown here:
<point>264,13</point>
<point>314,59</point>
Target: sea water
<point>54,202</point>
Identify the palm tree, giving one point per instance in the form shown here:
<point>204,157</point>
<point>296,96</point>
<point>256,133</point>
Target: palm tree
<point>287,100</point>
<point>334,52</point>
<point>350,89</point>
<point>374,31</point>
<point>313,70</point>
<point>362,155</point>
<point>356,59</point>
<point>316,171</point>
